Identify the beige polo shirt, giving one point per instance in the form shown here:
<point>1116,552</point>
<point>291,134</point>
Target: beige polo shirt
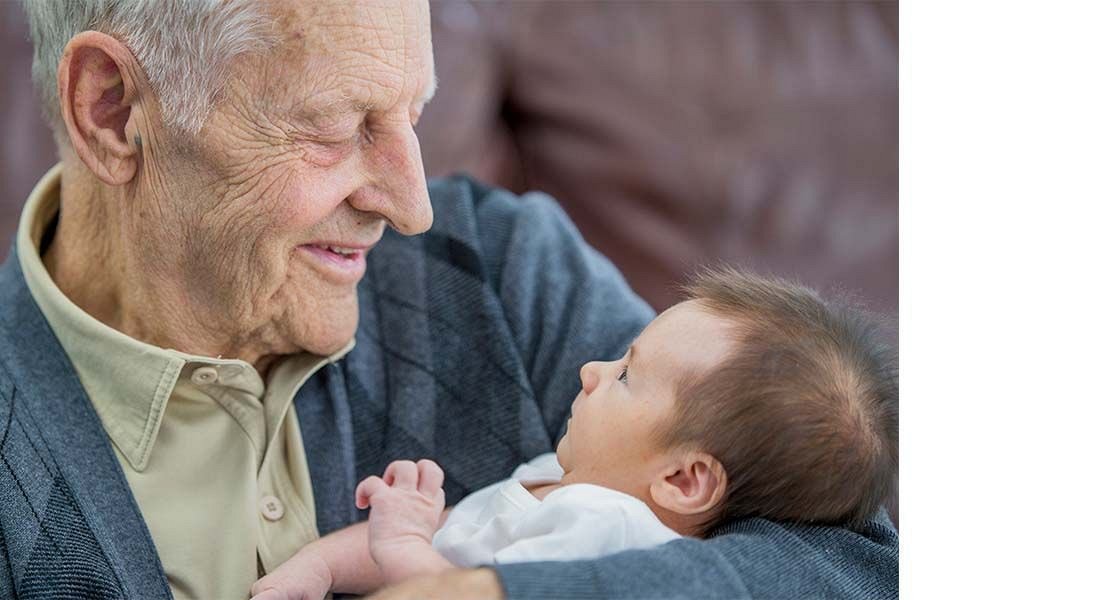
<point>212,452</point>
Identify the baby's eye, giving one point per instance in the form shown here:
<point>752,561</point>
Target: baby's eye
<point>622,375</point>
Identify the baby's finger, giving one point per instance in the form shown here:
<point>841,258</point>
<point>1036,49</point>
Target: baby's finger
<point>402,474</point>
<point>269,594</point>
<point>431,478</point>
<point>368,487</point>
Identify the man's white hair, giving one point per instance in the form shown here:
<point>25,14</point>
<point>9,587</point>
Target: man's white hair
<point>184,46</point>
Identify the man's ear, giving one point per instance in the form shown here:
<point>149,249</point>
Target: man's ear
<point>692,483</point>
<point>98,89</point>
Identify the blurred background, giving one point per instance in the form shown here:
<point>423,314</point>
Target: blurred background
<point>675,133</point>
<point>683,133</point>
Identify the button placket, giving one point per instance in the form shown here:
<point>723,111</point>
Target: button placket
<point>226,384</point>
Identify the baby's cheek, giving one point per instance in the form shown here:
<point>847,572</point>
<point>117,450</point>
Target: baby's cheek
<point>562,453</point>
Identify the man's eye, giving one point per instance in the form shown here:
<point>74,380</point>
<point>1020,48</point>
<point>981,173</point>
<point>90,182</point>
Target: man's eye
<point>336,144</point>
<point>622,375</point>
<point>341,139</point>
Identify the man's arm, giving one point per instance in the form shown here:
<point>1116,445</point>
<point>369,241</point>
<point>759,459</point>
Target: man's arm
<point>760,560</point>
<point>755,559</point>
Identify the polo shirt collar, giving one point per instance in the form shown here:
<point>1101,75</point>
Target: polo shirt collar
<point>129,382</point>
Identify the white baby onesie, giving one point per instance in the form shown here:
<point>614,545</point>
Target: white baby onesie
<point>505,523</point>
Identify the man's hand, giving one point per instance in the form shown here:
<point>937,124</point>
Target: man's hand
<point>304,576</point>
<point>405,506</point>
<point>460,584</point>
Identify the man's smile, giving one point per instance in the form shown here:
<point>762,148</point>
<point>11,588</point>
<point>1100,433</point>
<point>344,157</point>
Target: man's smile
<point>338,262</point>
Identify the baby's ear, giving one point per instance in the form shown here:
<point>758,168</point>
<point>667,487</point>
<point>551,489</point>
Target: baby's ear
<point>692,483</point>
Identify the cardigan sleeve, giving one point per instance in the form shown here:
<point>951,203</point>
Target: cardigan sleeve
<point>752,559</point>
<point>565,303</point>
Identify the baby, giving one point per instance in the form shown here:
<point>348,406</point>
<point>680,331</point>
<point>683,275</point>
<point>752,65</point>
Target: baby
<point>753,398</point>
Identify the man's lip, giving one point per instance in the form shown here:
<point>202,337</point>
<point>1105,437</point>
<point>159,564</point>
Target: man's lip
<point>347,245</point>
<point>336,268</point>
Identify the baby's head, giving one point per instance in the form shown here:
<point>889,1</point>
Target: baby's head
<point>753,398</point>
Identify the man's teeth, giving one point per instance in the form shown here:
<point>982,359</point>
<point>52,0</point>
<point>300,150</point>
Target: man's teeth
<point>338,250</point>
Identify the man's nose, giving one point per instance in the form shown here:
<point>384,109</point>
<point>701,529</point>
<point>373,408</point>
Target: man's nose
<point>397,188</point>
<point>589,376</point>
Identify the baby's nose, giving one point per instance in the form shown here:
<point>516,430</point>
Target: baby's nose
<point>589,376</point>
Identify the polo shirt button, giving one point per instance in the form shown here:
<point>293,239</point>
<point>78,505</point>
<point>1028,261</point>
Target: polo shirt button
<point>271,508</point>
<point>204,375</point>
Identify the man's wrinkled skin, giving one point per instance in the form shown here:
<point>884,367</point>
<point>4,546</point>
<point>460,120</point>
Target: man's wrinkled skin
<point>198,243</point>
<point>194,243</point>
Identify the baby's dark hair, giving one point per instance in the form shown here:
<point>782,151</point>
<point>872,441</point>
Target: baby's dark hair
<point>803,415</point>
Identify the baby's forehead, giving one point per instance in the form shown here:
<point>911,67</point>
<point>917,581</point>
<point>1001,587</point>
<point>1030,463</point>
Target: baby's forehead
<point>686,338</point>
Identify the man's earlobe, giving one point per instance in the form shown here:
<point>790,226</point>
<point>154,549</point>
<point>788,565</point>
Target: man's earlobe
<point>98,93</point>
<point>693,484</point>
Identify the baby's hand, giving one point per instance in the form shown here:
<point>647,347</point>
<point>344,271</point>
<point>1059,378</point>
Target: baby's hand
<point>304,576</point>
<point>404,511</point>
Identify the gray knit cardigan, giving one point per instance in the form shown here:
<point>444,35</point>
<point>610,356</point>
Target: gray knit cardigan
<point>468,348</point>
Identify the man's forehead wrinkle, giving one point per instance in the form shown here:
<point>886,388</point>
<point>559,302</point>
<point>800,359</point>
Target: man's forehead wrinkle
<point>348,82</point>
<point>359,85</point>
<point>363,57</point>
<point>350,27</point>
<point>321,89</point>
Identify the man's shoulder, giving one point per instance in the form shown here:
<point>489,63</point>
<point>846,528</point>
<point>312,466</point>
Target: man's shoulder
<point>877,531</point>
<point>464,191</point>
<point>466,206</point>
<point>483,231</point>
<point>817,560</point>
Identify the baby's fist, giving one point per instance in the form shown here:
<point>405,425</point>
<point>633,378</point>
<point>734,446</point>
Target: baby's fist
<point>406,502</point>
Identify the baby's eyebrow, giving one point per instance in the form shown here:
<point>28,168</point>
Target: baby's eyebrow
<point>633,352</point>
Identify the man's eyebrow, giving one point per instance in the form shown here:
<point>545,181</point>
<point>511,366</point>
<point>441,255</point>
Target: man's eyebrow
<point>312,112</point>
<point>346,105</point>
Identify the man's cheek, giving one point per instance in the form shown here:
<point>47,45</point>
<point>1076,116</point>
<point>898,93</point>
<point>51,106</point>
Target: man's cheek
<point>306,199</point>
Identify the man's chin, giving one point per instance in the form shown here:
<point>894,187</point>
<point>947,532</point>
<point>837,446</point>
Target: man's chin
<point>327,331</point>
<point>327,348</point>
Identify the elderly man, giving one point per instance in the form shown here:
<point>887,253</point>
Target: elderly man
<point>197,364</point>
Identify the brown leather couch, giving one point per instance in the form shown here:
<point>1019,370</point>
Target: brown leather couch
<point>27,146</point>
<point>682,133</point>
